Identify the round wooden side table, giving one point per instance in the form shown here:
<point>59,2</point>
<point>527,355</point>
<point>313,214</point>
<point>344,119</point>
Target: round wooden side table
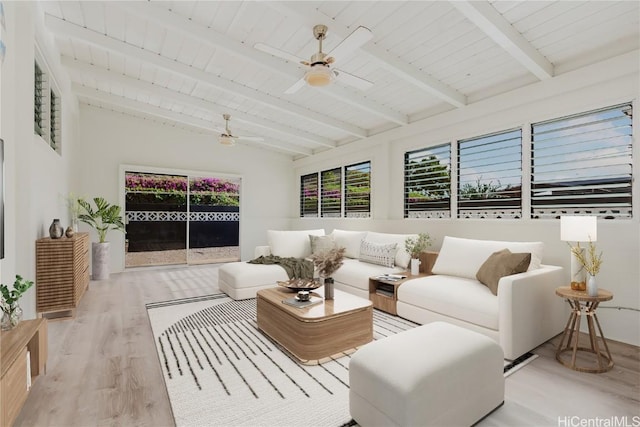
<point>584,305</point>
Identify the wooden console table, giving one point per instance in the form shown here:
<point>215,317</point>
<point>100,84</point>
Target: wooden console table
<point>31,336</point>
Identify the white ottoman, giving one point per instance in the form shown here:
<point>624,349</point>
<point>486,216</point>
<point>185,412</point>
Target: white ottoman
<point>241,280</point>
<point>437,374</point>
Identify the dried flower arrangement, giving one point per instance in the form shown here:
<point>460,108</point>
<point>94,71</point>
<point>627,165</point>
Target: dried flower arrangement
<point>591,261</point>
<point>328,262</point>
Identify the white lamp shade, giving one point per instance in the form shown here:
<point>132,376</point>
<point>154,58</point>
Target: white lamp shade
<point>578,228</point>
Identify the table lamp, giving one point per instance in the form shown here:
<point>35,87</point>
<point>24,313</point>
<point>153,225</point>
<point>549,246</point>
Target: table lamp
<point>578,229</point>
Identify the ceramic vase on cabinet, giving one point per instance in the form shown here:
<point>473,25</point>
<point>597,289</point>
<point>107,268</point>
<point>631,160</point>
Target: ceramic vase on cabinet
<point>55,229</point>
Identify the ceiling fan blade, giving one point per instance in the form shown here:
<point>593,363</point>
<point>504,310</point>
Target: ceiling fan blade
<point>351,80</point>
<point>357,38</point>
<point>249,138</point>
<point>295,87</point>
<point>277,52</point>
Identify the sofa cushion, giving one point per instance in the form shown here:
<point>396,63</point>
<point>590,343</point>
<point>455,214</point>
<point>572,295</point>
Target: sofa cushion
<point>378,253</point>
<point>356,274</point>
<point>350,240</point>
<point>463,257</point>
<point>240,275</point>
<point>402,257</point>
<point>457,297</point>
<point>291,243</point>
<point>500,264</point>
<point>321,243</point>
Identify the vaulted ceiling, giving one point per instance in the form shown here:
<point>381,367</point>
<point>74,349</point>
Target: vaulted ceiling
<point>186,63</point>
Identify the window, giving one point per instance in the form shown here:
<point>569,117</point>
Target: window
<point>582,164</point>
<point>309,196</point>
<point>39,110</point>
<point>54,134</point>
<point>357,190</point>
<point>427,183</point>
<point>46,107</point>
<point>331,193</point>
<point>490,176</point>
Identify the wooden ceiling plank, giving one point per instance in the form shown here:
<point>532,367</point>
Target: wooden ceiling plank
<point>59,26</point>
<point>483,15</point>
<point>215,108</point>
<point>145,108</point>
<point>260,59</point>
<point>381,56</point>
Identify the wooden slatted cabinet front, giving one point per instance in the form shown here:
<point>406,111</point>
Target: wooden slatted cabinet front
<point>62,274</point>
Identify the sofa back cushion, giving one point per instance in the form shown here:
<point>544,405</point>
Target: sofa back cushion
<point>350,240</point>
<point>464,257</point>
<point>402,257</point>
<point>291,243</point>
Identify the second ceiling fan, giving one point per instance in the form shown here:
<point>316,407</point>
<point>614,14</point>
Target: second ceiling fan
<point>320,72</point>
<point>227,138</point>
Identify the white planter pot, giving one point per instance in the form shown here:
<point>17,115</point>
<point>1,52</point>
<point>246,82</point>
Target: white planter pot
<point>100,261</point>
<point>415,266</point>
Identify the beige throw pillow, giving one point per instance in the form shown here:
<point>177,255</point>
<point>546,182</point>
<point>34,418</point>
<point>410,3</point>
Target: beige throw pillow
<point>321,243</point>
<point>500,264</point>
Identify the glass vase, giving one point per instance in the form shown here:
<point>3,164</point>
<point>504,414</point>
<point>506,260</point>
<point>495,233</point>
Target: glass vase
<point>11,316</point>
<point>592,286</point>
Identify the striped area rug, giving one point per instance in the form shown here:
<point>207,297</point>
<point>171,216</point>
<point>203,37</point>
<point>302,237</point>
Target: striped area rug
<point>220,370</point>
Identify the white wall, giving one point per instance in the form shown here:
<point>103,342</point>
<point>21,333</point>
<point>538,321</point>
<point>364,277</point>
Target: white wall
<point>111,139</point>
<point>607,83</point>
<point>36,177</point>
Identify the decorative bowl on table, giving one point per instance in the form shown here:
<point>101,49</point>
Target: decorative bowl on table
<point>300,284</point>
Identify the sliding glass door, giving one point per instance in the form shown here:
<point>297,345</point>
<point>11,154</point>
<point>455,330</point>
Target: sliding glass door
<point>179,219</point>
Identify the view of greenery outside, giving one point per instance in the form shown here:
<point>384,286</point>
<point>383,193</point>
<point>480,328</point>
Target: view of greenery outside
<point>168,189</point>
<point>427,180</point>
<point>358,190</point>
<point>490,173</point>
<point>331,192</point>
<point>309,195</point>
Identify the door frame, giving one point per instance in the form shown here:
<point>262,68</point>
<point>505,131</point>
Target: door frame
<point>173,171</point>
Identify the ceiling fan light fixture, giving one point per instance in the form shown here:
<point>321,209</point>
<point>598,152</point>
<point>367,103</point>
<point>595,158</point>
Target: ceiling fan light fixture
<point>319,75</point>
<point>226,140</point>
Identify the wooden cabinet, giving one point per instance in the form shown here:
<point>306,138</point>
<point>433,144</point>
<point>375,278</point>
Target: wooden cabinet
<point>18,371</point>
<point>62,274</point>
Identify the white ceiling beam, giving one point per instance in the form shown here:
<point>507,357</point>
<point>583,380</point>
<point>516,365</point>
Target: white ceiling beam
<point>119,101</point>
<point>307,14</point>
<point>494,25</point>
<point>61,27</point>
<point>233,47</point>
<point>100,73</point>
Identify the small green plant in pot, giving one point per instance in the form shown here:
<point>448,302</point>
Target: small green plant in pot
<point>414,246</point>
<point>11,311</point>
<point>103,218</point>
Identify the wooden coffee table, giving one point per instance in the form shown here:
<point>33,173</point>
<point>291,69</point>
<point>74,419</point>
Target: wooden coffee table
<point>319,331</point>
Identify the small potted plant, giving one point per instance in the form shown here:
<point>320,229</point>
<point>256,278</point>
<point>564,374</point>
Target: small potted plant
<point>11,311</point>
<point>103,218</point>
<point>414,246</point>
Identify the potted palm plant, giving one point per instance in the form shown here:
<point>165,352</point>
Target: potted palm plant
<point>103,218</point>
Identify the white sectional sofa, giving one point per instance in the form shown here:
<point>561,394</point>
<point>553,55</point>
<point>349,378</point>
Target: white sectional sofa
<point>522,314</point>
<point>241,280</point>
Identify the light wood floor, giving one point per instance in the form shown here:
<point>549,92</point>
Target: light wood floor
<point>103,368</point>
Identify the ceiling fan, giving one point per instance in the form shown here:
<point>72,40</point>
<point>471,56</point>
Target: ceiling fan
<point>227,138</point>
<point>319,72</point>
